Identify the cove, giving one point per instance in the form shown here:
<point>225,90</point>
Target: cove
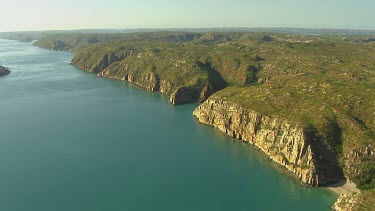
<point>72,141</point>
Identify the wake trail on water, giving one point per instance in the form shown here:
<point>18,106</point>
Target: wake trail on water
<point>6,63</point>
<point>20,76</point>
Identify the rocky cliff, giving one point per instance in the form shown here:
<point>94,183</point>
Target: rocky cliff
<point>364,200</point>
<point>184,78</point>
<point>355,158</point>
<point>149,79</point>
<point>346,202</point>
<point>287,144</point>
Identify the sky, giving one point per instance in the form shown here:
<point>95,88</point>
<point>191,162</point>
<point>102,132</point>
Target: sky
<point>30,15</point>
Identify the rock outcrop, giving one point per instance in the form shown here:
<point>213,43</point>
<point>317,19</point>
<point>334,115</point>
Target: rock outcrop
<point>363,200</point>
<point>147,80</point>
<point>354,159</point>
<point>4,71</point>
<point>285,143</point>
<point>125,66</point>
<point>346,202</point>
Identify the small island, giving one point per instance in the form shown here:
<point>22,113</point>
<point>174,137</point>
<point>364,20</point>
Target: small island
<point>4,71</point>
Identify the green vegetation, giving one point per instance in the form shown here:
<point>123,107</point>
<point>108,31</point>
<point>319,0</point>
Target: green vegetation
<point>193,65</point>
<point>27,36</point>
<point>366,179</point>
<point>366,200</point>
<point>75,40</point>
<point>326,84</point>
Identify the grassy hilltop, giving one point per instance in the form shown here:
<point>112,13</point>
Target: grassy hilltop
<point>325,83</point>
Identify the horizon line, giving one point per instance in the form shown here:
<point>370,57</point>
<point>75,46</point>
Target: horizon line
<point>176,28</point>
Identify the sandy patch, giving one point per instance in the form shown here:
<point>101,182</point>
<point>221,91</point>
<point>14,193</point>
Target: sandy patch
<point>344,187</point>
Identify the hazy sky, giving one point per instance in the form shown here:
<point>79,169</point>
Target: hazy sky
<point>16,15</point>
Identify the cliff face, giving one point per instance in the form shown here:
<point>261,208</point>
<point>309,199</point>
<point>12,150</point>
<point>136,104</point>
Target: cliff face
<point>186,72</point>
<point>355,157</point>
<point>183,81</point>
<point>287,144</point>
<point>363,200</point>
<point>151,81</point>
<point>96,65</point>
<point>147,80</point>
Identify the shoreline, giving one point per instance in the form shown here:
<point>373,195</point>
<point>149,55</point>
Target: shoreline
<point>343,187</point>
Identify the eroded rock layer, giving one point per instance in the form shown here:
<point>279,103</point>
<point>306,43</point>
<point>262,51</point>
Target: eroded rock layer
<point>285,143</point>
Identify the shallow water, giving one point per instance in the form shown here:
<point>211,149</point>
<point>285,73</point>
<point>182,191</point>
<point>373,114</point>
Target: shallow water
<point>73,141</point>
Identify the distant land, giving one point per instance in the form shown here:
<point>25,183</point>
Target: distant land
<point>36,35</point>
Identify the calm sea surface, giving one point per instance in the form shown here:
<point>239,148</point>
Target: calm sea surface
<point>71,141</point>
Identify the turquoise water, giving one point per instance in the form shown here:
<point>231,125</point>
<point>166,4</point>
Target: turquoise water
<point>73,141</point>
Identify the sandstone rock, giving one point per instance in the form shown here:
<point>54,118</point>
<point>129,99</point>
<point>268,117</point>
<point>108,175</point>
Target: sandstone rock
<point>355,157</point>
<point>285,143</point>
<point>207,91</point>
<point>346,202</point>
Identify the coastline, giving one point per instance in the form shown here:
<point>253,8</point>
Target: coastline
<point>105,111</point>
<point>343,187</point>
